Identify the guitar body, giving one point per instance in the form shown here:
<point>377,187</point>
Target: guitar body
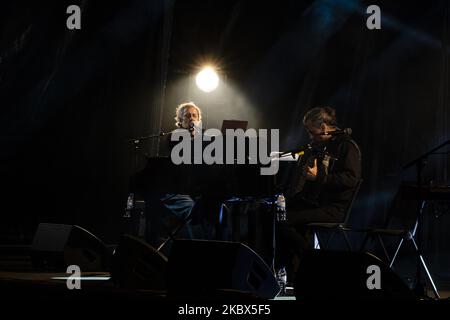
<point>300,188</point>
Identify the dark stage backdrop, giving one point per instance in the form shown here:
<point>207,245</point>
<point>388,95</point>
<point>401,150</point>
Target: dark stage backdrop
<point>71,98</point>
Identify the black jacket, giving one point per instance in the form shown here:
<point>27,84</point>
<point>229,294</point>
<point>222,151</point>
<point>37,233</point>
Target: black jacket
<point>339,170</point>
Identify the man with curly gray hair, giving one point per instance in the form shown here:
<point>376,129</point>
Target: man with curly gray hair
<point>188,116</point>
<point>162,210</point>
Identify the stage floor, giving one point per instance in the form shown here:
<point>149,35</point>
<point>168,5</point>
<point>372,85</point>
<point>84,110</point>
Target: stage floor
<point>18,280</point>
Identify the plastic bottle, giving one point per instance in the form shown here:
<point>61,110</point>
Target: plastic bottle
<point>130,206</point>
<point>280,207</point>
<point>282,279</point>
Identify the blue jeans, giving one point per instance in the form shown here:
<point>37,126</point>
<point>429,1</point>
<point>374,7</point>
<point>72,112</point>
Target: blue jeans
<point>164,213</point>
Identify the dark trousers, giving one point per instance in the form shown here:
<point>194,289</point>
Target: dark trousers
<point>164,213</point>
<point>292,236</point>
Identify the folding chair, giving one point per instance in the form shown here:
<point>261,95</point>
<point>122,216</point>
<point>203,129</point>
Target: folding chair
<point>336,227</point>
<point>402,223</point>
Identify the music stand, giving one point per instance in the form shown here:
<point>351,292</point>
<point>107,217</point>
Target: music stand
<point>234,124</point>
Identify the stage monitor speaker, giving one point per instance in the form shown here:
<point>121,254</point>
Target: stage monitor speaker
<point>208,269</point>
<point>335,275</point>
<point>56,246</point>
<point>137,265</point>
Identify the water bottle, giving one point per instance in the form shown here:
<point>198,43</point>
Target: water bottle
<point>282,279</point>
<point>130,206</point>
<point>280,207</point>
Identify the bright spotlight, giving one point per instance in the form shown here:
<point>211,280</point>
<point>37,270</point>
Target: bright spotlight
<point>207,80</point>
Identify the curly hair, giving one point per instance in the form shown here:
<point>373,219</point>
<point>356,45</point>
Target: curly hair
<point>181,109</point>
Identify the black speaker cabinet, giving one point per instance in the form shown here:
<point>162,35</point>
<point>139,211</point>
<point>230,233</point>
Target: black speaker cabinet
<point>56,246</point>
<point>137,265</point>
<point>324,275</point>
<point>204,269</point>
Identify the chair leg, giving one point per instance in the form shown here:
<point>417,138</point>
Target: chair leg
<point>384,248</point>
<point>329,239</point>
<point>316,241</point>
<point>396,253</point>
<point>319,241</point>
<point>424,265</point>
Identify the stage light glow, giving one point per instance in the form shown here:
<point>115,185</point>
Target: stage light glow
<point>207,80</point>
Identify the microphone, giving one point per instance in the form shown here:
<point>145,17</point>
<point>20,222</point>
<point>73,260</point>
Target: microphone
<point>338,132</point>
<point>195,128</point>
<point>298,150</point>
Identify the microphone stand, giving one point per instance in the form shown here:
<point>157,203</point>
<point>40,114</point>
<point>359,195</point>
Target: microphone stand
<point>137,141</point>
